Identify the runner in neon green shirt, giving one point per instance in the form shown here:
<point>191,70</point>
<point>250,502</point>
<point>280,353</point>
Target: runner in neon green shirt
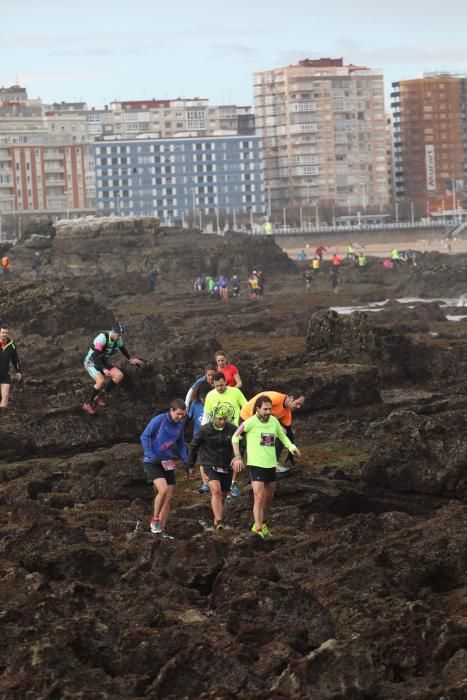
<point>230,397</point>
<point>261,431</point>
<point>232,401</point>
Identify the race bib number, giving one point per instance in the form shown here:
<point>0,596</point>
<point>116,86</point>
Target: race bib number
<point>168,465</point>
<point>267,439</point>
<point>221,470</point>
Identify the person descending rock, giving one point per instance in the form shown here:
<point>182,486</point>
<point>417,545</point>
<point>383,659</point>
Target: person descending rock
<point>309,279</point>
<point>232,399</point>
<point>209,371</point>
<point>223,285</point>
<point>37,265</point>
<point>283,405</point>
<point>253,285</point>
<point>104,345</point>
<point>319,252</point>
<point>235,286</point>
<point>213,441</point>
<point>261,432</point>
<point>8,354</point>
<point>152,278</point>
<point>6,268</point>
<point>334,278</point>
<point>194,401</point>
<point>230,372</point>
<point>161,437</point>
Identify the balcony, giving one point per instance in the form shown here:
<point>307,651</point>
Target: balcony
<point>54,182</point>
<point>54,168</point>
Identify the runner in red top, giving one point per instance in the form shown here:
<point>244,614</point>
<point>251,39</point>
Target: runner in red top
<point>230,372</point>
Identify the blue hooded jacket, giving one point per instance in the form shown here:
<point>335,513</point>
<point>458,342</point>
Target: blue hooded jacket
<point>160,438</point>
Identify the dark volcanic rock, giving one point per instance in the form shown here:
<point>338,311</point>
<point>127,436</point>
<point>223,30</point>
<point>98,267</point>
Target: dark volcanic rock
<point>357,339</point>
<point>420,454</point>
<point>360,593</point>
<point>49,309</point>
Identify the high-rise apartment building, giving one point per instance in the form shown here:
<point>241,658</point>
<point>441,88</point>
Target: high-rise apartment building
<point>323,130</point>
<point>430,141</point>
<point>180,177</point>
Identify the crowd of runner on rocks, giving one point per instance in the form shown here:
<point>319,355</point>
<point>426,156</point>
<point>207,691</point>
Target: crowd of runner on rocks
<point>225,427</point>
<point>224,288</point>
<point>355,258</point>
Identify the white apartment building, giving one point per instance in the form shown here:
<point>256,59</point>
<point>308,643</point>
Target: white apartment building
<point>324,137</point>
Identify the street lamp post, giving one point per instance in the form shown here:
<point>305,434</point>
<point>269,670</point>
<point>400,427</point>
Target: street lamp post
<point>67,205</point>
<point>284,217</point>
<point>363,187</point>
<point>268,190</point>
<point>217,216</point>
<point>454,198</point>
<point>193,206</point>
<point>301,219</point>
<point>317,216</point>
<point>412,212</point>
<point>397,212</point>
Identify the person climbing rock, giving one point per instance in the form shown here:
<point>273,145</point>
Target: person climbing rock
<point>96,364</point>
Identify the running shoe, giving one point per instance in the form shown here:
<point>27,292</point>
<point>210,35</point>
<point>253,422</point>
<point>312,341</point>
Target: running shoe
<point>155,525</point>
<point>228,500</point>
<point>282,469</point>
<point>166,535</point>
<point>260,533</point>
<point>89,408</point>
<point>219,525</point>
<point>101,401</point>
<point>204,489</point>
<point>266,531</point>
<point>234,490</point>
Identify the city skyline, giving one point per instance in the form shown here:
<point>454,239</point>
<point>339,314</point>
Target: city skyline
<point>100,53</point>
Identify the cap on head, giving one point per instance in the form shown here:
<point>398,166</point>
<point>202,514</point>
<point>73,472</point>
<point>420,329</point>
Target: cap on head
<point>118,327</point>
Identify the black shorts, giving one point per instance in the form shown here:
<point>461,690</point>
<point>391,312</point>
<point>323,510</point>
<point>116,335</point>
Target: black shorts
<point>155,470</point>
<point>265,474</point>
<point>224,479</point>
<point>5,379</point>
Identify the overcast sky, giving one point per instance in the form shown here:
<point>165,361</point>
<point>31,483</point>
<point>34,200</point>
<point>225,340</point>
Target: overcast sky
<point>101,50</point>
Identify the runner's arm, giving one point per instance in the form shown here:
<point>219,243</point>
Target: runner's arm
<point>194,448</point>
<point>147,436</point>
<point>189,398</point>
<point>286,442</point>
<point>182,448</point>
<point>15,360</point>
<point>238,381</point>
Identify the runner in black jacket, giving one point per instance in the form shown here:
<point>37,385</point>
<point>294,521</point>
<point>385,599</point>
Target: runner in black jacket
<point>8,354</point>
<point>214,443</point>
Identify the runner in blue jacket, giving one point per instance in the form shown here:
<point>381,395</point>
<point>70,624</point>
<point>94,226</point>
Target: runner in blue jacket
<point>161,437</point>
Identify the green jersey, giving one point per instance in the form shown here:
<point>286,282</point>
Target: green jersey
<point>260,441</point>
<point>231,401</point>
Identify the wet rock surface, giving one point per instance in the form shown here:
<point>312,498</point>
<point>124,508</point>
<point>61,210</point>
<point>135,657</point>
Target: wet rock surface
<point>361,593</point>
